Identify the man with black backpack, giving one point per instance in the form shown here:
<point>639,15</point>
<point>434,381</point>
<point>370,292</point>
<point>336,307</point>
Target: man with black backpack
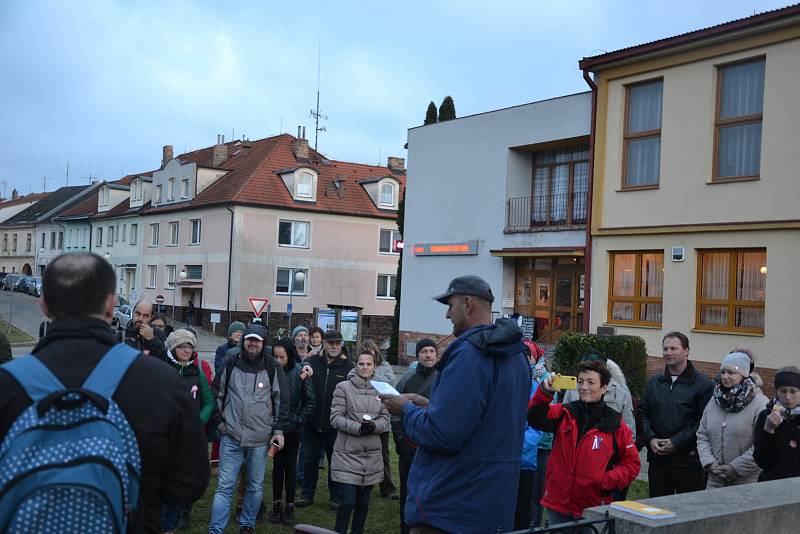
<point>124,428</point>
<point>250,389</point>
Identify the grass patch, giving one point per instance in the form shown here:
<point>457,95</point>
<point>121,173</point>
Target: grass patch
<point>14,334</point>
<point>384,515</point>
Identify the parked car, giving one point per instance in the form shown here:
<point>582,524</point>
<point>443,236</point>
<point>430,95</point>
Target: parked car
<point>122,316</point>
<point>121,301</point>
<point>35,286</point>
<point>21,285</point>
<point>10,280</point>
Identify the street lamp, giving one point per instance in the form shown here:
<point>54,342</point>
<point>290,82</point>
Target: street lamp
<point>182,275</point>
<point>299,276</point>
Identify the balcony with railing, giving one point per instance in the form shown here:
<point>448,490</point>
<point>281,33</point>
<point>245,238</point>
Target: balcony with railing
<point>526,214</point>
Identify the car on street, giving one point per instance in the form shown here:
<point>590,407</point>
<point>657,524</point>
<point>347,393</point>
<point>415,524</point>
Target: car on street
<point>21,285</point>
<point>122,316</point>
<point>35,286</point>
<point>10,280</point>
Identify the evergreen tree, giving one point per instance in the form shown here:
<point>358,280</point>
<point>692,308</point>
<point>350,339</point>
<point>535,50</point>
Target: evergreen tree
<point>447,111</point>
<point>431,116</point>
<point>394,342</point>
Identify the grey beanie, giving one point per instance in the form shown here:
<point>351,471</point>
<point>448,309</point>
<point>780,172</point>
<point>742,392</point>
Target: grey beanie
<point>297,330</point>
<point>179,337</point>
<point>236,326</point>
<point>738,362</point>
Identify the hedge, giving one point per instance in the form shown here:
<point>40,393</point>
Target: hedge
<point>629,352</point>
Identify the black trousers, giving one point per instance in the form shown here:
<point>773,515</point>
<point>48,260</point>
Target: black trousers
<point>669,480</point>
<point>352,500</point>
<point>537,489</point>
<point>284,468</point>
<point>386,485</point>
<point>522,517</point>
<point>313,443</point>
<point>405,455</point>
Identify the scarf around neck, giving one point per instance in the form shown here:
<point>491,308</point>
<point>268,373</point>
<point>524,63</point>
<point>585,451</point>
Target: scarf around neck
<point>737,397</point>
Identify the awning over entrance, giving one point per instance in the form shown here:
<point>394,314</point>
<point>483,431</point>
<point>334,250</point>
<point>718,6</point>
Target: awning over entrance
<point>537,252</point>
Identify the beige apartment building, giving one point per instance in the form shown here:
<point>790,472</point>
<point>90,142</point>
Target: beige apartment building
<point>695,215</point>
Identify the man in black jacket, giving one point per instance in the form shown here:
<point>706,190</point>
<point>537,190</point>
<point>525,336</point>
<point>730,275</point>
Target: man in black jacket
<point>329,369</point>
<point>668,416</point>
<point>141,336</point>
<point>78,293</point>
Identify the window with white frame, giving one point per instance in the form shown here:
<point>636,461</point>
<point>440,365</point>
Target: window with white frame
<point>387,195</point>
<point>197,226</point>
<point>388,240</point>
<point>124,231</point>
<point>14,243</point>
<point>171,274</point>
<point>154,235</point>
<point>69,238</point>
<point>152,276</point>
<point>304,184</point>
<point>137,189</point>
<point>174,230</point>
<point>134,232</point>
<point>104,196</point>
<point>110,236</point>
<point>185,188</point>
<point>158,194</point>
<point>99,241</point>
<point>293,233</point>
<point>28,243</point>
<point>171,189</point>
<point>288,282</point>
<point>386,283</point>
<point>194,272</point>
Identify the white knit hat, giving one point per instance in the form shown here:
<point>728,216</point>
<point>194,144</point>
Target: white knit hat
<point>737,362</point>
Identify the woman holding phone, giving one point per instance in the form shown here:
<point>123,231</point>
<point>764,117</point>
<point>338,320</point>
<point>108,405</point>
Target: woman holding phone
<point>593,450</point>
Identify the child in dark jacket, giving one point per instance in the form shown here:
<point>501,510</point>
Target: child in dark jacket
<point>301,405</point>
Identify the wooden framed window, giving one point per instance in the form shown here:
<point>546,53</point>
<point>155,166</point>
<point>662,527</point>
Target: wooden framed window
<point>560,185</point>
<point>739,116</point>
<point>641,152</point>
<point>636,288</point>
<point>731,290</point>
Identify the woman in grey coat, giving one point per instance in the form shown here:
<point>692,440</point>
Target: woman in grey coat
<point>357,463</point>
<point>726,432</point>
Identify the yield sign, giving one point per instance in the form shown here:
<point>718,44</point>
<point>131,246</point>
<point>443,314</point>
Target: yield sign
<point>258,304</point>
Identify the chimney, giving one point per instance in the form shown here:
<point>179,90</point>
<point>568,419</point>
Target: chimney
<point>14,194</point>
<point>166,154</point>
<point>220,154</point>
<point>300,149</point>
<point>396,164</point>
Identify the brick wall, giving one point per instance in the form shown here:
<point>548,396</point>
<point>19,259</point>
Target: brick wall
<point>655,364</point>
<point>412,337</point>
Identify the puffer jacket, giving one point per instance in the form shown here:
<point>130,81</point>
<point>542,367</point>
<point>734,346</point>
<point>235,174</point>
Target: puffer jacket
<point>385,373</point>
<point>357,458</point>
<point>727,438</point>
<point>617,396</point>
<point>470,436</point>
<point>301,399</point>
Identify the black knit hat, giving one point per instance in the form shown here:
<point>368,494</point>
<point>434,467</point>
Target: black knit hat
<point>425,342</point>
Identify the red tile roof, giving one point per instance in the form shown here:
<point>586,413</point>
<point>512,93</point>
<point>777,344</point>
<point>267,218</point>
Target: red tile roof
<point>253,179</point>
<point>592,63</point>
<point>82,209</point>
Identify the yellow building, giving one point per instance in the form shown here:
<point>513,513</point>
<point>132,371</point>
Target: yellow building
<point>695,217</point>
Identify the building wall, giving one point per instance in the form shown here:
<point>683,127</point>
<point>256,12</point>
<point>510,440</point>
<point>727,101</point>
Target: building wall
<point>45,254</point>
<point>124,253</point>
<point>13,260</point>
<point>460,174</point>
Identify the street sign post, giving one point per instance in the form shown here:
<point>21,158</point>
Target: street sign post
<point>258,304</point>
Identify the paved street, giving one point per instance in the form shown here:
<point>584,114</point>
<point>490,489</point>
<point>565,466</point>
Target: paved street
<point>22,310</point>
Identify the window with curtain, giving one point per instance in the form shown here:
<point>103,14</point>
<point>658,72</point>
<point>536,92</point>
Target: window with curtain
<point>642,137</point>
<point>731,290</point>
<point>637,286</point>
<point>560,186</point>
<point>740,106</point>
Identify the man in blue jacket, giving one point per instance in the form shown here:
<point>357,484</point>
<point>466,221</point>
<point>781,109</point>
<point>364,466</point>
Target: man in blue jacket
<point>465,473</point>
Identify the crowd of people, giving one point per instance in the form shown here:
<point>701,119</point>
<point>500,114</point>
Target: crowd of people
<point>485,440</point>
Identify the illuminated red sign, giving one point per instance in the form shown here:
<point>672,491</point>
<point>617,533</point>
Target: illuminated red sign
<point>464,248</point>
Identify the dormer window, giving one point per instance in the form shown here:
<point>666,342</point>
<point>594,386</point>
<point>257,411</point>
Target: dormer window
<point>304,184</point>
<point>137,190</point>
<point>387,195</point>
<point>171,189</point>
<point>158,194</point>
<point>104,196</point>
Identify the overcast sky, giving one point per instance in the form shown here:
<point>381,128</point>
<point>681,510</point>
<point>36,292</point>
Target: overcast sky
<point>104,85</point>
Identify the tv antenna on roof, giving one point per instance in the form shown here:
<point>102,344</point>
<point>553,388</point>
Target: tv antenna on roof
<point>315,114</point>
<point>45,179</point>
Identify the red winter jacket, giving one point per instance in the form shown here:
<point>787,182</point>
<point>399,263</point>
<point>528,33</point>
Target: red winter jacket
<point>581,475</point>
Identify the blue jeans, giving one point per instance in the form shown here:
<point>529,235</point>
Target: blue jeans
<point>231,457</point>
<point>352,500</point>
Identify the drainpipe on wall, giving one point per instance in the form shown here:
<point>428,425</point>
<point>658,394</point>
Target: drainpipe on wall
<point>587,254</point>
<point>230,263</point>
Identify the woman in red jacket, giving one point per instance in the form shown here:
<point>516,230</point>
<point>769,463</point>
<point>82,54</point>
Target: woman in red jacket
<point>593,450</point>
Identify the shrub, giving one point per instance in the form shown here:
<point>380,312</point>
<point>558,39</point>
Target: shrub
<point>630,353</point>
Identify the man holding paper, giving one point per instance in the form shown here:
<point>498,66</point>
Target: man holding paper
<point>469,435</point>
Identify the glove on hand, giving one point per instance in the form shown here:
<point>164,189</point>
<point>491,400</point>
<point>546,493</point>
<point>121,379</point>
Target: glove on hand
<point>367,428</point>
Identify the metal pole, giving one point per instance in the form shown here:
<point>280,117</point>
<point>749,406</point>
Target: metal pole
<point>291,308</point>
<point>173,301</point>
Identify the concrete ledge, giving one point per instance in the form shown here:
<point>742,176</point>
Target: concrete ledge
<point>764,507</point>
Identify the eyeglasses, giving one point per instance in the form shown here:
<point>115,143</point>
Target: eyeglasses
<point>185,346</point>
